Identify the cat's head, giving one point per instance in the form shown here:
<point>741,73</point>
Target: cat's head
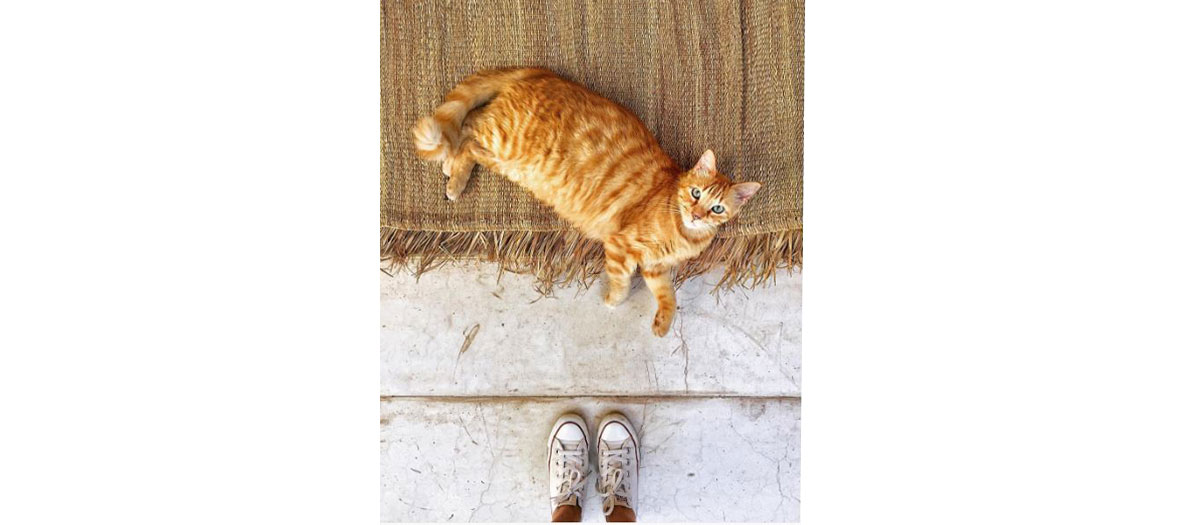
<point>707,198</point>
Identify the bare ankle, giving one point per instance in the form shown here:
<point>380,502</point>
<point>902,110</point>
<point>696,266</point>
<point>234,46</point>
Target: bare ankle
<point>564,513</point>
<point>621,513</point>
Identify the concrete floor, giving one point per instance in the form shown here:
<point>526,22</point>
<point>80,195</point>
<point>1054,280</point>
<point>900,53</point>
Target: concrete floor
<point>475,371</point>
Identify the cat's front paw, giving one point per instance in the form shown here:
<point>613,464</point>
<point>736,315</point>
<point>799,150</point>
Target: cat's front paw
<point>613,298</point>
<point>662,322</point>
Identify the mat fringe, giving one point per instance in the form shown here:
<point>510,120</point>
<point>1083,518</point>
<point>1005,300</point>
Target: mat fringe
<point>562,258</point>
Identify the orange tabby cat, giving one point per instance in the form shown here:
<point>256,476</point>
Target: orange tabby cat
<point>594,163</point>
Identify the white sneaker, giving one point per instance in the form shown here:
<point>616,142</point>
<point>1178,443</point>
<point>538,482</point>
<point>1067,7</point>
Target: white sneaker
<point>569,461</point>
<point>618,463</point>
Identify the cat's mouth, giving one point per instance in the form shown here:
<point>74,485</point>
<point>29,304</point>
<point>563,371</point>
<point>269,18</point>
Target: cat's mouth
<point>693,224</point>
<point>689,222</point>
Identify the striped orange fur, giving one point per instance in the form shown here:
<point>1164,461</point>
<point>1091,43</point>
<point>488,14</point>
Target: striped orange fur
<point>594,163</point>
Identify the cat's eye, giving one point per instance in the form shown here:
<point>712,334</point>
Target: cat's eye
<point>718,209</point>
<point>696,194</point>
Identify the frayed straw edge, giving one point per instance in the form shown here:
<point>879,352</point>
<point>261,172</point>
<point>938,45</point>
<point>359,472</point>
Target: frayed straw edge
<point>561,258</point>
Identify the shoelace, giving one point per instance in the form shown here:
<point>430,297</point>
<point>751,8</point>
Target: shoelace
<point>614,482</point>
<point>573,475</point>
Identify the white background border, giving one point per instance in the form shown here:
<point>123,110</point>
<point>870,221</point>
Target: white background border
<point>189,210</point>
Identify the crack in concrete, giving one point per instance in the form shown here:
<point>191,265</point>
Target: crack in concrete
<point>492,471</point>
<point>463,423</point>
<point>777,461</point>
<point>412,505</point>
<point>683,347</point>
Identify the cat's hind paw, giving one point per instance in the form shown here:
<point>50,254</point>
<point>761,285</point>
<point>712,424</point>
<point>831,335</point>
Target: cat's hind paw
<point>453,194</point>
<point>458,171</point>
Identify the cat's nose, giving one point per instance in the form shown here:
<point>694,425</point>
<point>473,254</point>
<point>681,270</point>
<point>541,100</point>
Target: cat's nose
<point>696,216</point>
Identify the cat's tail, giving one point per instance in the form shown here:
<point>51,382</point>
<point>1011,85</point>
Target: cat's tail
<point>437,137</point>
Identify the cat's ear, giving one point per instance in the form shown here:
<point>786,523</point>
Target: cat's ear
<point>743,191</point>
<point>707,164</point>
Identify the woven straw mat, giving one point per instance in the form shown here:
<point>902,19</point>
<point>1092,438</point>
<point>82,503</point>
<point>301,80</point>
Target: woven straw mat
<point>725,75</point>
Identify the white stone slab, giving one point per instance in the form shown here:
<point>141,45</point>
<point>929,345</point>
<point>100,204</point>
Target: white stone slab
<point>737,342</point>
<point>703,459</point>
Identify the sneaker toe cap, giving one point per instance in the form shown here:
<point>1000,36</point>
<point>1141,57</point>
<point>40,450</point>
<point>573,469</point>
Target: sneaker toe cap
<point>570,432</point>
<point>614,432</point>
